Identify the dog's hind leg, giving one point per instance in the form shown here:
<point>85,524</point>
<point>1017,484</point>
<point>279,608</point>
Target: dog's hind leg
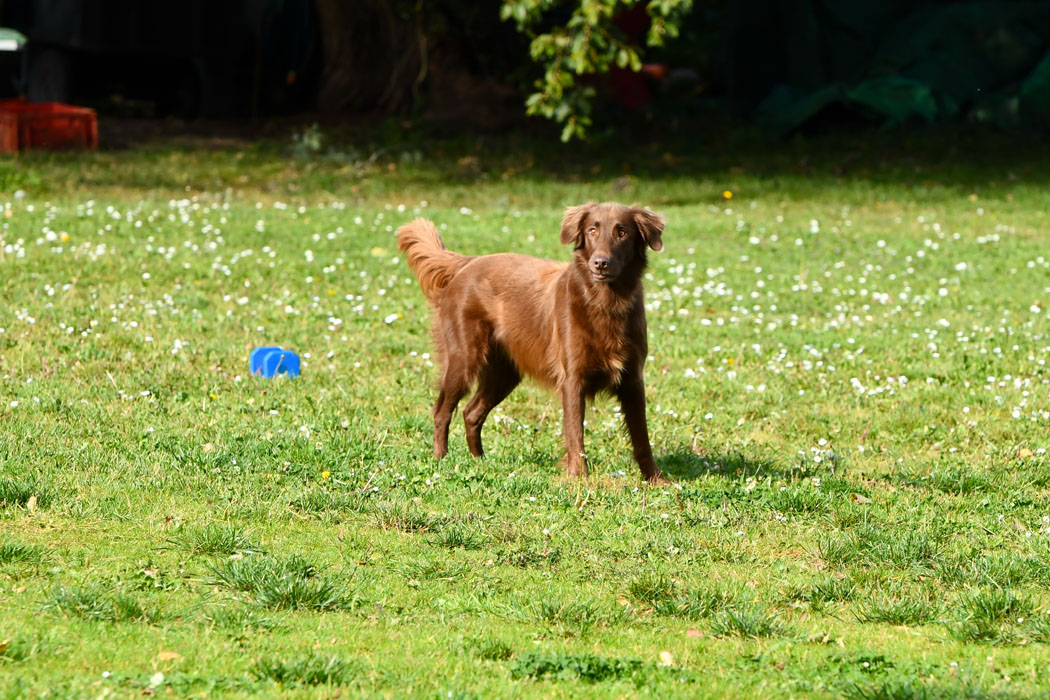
<point>454,384</point>
<point>463,355</point>
<point>497,379</point>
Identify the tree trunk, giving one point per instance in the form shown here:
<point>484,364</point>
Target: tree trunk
<point>374,55</point>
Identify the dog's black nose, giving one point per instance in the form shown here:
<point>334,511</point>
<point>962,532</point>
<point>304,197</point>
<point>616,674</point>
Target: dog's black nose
<point>600,264</point>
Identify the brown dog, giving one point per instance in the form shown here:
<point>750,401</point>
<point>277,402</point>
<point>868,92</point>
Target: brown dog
<point>577,327</point>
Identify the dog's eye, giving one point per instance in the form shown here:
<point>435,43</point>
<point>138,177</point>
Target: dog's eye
<point>621,233</point>
<point>593,230</point>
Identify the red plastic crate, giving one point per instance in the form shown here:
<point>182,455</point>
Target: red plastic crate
<point>52,125</point>
<point>8,132</point>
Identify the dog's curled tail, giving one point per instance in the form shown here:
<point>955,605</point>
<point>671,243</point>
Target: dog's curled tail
<point>433,264</point>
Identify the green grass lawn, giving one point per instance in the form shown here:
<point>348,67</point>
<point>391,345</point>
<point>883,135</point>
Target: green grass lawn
<point>848,383</point>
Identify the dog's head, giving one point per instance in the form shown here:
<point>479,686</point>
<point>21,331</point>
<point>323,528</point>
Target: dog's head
<point>610,240</point>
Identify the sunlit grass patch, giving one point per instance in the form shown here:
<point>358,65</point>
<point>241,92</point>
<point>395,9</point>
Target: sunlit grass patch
<point>24,492</point>
<point>666,597</point>
<point>405,517</point>
<point>822,591</point>
<point>590,668</point>
<point>216,538</point>
<point>899,610</point>
<point>748,620</point>
<point>20,648</point>
<point>15,552</point>
<point>435,568</point>
<point>238,621</point>
<point>326,503</point>
<point>530,552</point>
<point>315,669</point>
<point>491,649</point>
<point>992,616</point>
<point>289,583</point>
<point>454,535</point>
<point>96,602</point>
<point>1000,569</point>
<point>950,479</point>
<point>575,617</point>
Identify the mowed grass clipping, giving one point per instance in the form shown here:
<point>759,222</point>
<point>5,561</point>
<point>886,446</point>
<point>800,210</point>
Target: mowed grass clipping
<point>848,383</point>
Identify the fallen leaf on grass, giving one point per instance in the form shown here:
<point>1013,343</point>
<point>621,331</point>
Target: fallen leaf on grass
<point>693,633</point>
<point>666,658</point>
<point>167,656</point>
<point>859,498</point>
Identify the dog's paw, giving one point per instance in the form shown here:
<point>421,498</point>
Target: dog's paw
<point>577,470</point>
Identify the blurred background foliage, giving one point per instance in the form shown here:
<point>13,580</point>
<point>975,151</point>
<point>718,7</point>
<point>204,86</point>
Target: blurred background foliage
<point>585,66</point>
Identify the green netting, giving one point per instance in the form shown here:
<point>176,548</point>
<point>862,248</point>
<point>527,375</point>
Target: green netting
<point>898,61</point>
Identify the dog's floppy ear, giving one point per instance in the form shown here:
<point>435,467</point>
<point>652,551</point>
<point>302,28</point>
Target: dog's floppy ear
<point>572,224</point>
<point>651,226</point>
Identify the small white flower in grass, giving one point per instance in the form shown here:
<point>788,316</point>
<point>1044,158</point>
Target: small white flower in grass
<point>709,416</point>
<point>145,275</point>
<point>391,318</point>
<point>14,404</point>
<point>466,211</point>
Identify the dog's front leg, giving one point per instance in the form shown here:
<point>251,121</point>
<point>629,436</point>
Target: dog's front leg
<point>573,404</point>
<point>631,393</point>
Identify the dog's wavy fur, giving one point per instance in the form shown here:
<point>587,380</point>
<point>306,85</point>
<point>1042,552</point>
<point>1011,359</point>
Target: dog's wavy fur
<point>577,327</point>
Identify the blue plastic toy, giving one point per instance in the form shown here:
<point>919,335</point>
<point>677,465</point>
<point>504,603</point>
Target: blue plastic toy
<point>270,360</point>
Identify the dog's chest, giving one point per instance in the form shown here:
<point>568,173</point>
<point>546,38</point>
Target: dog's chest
<point>606,351</point>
